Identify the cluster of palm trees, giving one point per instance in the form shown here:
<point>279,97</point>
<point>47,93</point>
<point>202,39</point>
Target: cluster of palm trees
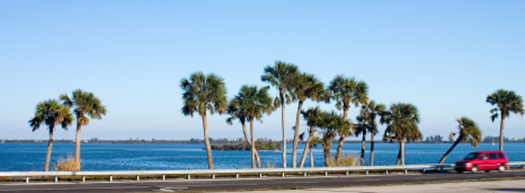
<point>203,93</point>
<point>55,112</point>
<point>207,93</point>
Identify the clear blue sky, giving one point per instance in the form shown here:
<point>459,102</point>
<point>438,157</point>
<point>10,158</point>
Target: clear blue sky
<point>443,56</point>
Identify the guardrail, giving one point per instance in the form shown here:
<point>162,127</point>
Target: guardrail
<point>261,171</point>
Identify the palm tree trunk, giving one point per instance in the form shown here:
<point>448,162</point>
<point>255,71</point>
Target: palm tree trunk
<point>363,146</point>
<point>311,158</point>
<point>450,149</point>
<point>501,136</point>
<point>250,144</point>
<point>326,154</point>
<point>339,147</point>
<point>399,155</point>
<point>341,138</point>
<point>402,152</point>
<point>296,134</point>
<point>372,149</point>
<point>307,146</point>
<point>77,145</point>
<point>207,140</point>
<point>253,143</point>
<point>281,95</point>
<point>49,147</point>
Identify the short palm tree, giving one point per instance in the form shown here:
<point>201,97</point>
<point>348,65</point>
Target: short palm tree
<point>85,104</point>
<point>306,86</point>
<point>468,133</point>
<point>234,111</point>
<point>313,144</point>
<point>361,128</point>
<point>347,92</point>
<point>372,111</point>
<point>252,103</point>
<point>332,124</point>
<point>507,102</point>
<point>202,93</point>
<point>314,119</point>
<point>282,76</point>
<point>51,113</point>
<point>402,126</point>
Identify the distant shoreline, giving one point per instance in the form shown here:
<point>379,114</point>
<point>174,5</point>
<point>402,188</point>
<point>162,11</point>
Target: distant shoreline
<point>191,142</point>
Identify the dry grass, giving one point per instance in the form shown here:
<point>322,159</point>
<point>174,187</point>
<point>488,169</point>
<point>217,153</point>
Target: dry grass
<point>67,164</point>
<point>344,160</point>
<point>269,165</point>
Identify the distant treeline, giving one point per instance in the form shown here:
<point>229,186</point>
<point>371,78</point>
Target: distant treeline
<point>239,141</point>
<point>260,144</point>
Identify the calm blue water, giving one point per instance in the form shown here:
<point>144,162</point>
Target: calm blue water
<point>31,156</point>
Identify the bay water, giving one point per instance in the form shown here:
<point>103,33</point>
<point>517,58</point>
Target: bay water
<point>104,157</point>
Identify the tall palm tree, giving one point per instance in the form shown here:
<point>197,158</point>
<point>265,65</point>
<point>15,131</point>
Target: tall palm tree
<point>332,124</point>
<point>507,102</point>
<point>314,118</point>
<point>51,113</point>
<point>402,126</point>
<point>202,93</point>
<point>85,104</point>
<point>371,111</point>
<point>306,86</point>
<point>347,92</point>
<point>252,103</point>
<point>468,133</point>
<point>282,76</point>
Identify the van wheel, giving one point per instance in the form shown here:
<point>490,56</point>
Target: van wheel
<point>501,168</point>
<point>474,169</point>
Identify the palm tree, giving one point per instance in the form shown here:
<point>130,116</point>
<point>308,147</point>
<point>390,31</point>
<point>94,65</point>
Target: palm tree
<point>468,133</point>
<point>202,93</point>
<point>281,76</point>
<point>402,126</point>
<point>347,92</point>
<point>251,103</point>
<point>306,86</point>
<point>51,113</point>
<point>362,126</point>
<point>507,102</point>
<point>85,103</point>
<point>371,111</point>
<point>313,144</point>
<point>314,118</point>
<point>332,123</point>
<point>233,110</point>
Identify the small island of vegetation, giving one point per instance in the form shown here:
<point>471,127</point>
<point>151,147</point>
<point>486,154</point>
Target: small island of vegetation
<point>260,144</point>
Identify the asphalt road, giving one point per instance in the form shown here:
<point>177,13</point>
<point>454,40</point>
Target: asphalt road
<point>244,183</point>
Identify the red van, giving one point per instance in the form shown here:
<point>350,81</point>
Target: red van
<point>483,160</point>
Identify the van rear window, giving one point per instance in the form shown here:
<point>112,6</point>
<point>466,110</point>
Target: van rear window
<point>501,156</point>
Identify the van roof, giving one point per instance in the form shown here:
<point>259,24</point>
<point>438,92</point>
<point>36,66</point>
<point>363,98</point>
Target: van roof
<point>488,152</point>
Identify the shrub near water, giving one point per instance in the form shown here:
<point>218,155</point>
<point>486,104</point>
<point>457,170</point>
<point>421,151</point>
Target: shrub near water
<point>345,160</point>
<point>67,164</point>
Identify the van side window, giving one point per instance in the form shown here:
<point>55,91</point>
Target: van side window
<point>501,156</point>
<point>493,156</point>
